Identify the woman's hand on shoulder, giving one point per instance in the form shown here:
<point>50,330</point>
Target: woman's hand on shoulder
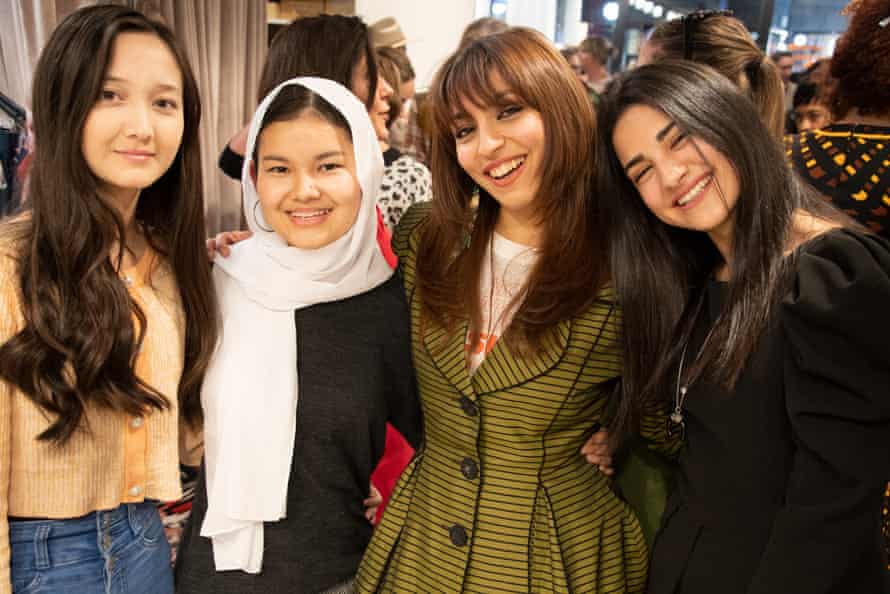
<point>220,244</point>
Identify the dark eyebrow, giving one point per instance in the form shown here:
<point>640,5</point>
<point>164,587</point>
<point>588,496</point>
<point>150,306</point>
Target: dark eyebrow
<point>658,137</point>
<point>328,155</point>
<point>162,86</point>
<point>664,131</point>
<point>633,162</point>
<point>319,157</point>
<point>504,95</point>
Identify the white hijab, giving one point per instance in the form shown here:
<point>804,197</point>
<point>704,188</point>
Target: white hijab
<point>250,391</point>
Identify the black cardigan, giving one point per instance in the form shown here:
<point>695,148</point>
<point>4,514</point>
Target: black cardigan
<point>355,374</point>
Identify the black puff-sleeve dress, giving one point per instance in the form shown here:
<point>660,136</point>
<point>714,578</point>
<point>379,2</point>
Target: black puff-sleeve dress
<point>781,479</point>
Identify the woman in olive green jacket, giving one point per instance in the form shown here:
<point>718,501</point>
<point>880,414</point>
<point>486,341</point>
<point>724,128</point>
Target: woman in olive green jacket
<point>516,345</point>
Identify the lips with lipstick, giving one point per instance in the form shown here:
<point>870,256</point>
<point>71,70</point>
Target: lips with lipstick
<point>504,171</point>
<point>689,196</point>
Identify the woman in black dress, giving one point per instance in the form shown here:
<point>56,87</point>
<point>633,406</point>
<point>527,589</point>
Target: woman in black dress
<point>314,359</point>
<point>756,314</point>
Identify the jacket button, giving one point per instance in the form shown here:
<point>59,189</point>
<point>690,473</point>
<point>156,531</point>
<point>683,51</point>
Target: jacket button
<point>458,535</point>
<point>469,468</point>
<point>469,407</point>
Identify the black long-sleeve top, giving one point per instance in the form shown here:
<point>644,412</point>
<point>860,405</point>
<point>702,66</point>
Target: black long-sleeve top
<point>355,374</point>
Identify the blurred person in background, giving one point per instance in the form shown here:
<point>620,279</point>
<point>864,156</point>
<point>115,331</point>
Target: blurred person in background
<point>716,38</point>
<point>480,28</point>
<point>784,61</point>
<point>413,183</point>
<point>846,161</point>
<point>595,53</point>
<point>811,110</point>
<point>573,57</point>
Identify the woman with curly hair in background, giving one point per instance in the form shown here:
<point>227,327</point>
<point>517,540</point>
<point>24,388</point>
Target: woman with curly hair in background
<point>847,161</point>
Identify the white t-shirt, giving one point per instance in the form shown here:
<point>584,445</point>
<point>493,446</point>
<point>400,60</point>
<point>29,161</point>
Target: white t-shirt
<point>512,263</point>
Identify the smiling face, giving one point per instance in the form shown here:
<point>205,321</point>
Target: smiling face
<point>501,146</point>
<point>685,182</point>
<point>306,180</point>
<point>133,133</point>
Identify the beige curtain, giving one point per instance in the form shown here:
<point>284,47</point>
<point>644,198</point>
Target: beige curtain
<point>225,41</point>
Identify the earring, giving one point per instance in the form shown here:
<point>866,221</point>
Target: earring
<point>474,208</point>
<point>257,220</point>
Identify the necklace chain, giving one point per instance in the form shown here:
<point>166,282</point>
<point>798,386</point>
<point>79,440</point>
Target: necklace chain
<point>680,395</point>
<point>677,416</point>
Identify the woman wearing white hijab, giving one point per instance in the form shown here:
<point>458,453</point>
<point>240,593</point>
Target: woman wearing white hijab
<point>313,361</point>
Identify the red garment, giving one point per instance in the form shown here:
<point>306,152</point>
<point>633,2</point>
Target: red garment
<point>398,452</point>
<point>396,456</point>
<point>384,241</point>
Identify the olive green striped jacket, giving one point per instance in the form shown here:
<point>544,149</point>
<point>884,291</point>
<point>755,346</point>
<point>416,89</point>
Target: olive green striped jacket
<point>499,498</point>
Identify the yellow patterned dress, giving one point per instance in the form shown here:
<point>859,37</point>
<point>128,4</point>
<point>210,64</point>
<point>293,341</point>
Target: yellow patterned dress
<point>499,499</point>
<point>849,165</point>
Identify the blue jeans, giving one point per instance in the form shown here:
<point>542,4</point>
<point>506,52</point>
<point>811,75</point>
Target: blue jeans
<point>120,551</point>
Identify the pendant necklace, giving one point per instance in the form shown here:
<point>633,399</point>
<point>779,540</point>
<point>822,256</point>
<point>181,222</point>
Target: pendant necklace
<point>680,395</point>
<point>677,416</point>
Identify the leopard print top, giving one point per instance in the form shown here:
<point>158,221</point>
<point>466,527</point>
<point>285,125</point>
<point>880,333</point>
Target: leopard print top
<point>405,181</point>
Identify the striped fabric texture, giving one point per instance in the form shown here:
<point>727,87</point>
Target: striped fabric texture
<point>499,498</point>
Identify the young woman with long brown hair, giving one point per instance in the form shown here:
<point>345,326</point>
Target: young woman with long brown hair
<point>109,318</point>
<point>516,344</point>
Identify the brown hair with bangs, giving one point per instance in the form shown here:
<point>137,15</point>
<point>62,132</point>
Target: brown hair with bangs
<point>572,263</point>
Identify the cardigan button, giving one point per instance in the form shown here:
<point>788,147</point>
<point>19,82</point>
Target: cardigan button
<point>458,535</point>
<point>469,407</point>
<point>469,469</point>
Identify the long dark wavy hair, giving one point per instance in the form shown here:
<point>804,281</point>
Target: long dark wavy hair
<point>659,271</point>
<point>79,342</point>
<point>572,264</point>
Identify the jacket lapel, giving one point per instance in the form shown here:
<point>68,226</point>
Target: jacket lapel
<point>504,369</point>
<point>450,360</point>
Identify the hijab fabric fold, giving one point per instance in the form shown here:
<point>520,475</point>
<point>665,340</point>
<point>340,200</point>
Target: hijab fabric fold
<point>250,392</point>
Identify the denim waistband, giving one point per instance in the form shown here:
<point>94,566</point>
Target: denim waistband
<point>116,551</point>
<point>26,529</point>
